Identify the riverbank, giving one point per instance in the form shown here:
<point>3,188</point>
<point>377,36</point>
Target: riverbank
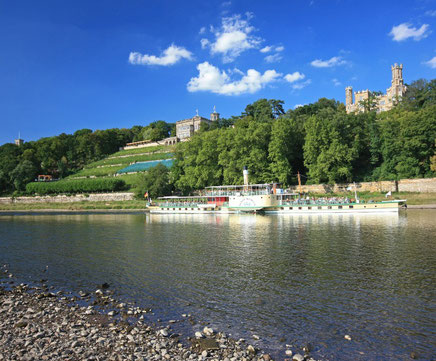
<point>37,323</point>
<point>414,200</point>
<point>76,206</point>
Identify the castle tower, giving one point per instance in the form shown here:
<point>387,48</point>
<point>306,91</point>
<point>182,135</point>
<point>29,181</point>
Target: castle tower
<point>214,116</point>
<point>19,141</point>
<point>397,89</point>
<point>348,96</point>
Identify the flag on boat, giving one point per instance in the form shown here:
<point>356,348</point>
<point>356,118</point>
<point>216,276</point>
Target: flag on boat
<point>388,194</point>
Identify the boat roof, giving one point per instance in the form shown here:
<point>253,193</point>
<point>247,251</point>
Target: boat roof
<point>242,186</point>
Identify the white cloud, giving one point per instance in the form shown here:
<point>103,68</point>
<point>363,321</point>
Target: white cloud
<point>204,43</point>
<point>233,37</point>
<point>266,49</point>
<point>273,58</point>
<point>170,56</point>
<point>405,31</point>
<point>269,48</point>
<point>431,63</point>
<point>298,86</point>
<point>430,12</point>
<point>202,30</point>
<point>292,78</point>
<point>298,106</point>
<point>336,82</point>
<point>335,61</point>
<point>210,78</point>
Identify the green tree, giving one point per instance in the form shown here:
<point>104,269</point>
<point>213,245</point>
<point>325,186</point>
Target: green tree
<point>328,148</point>
<point>23,173</point>
<point>156,182</point>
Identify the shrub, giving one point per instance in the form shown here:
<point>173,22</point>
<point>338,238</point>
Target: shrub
<point>76,186</point>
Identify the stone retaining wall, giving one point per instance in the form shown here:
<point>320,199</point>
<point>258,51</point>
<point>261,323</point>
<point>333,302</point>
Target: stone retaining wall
<point>422,185</point>
<point>96,197</point>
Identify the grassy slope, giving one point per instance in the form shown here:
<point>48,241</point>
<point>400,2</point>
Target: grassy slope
<point>110,165</point>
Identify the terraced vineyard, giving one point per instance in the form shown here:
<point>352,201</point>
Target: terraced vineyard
<point>116,162</point>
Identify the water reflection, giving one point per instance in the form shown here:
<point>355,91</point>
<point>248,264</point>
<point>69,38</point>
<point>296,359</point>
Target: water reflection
<point>305,278</point>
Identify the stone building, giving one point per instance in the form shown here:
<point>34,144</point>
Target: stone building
<point>19,141</point>
<point>383,102</point>
<point>187,127</point>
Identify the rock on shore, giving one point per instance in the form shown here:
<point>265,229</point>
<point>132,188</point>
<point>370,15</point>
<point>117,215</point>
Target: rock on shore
<point>46,326</point>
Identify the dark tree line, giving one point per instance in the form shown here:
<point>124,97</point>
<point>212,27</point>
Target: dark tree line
<point>320,140</point>
<point>65,154</point>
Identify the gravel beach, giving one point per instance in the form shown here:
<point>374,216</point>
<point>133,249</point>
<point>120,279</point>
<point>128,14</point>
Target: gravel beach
<point>36,324</point>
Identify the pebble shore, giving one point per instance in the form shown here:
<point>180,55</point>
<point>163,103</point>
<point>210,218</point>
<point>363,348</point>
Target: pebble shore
<point>36,324</point>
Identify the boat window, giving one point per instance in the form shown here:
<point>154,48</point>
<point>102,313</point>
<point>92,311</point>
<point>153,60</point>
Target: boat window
<point>291,208</point>
<point>329,207</point>
<point>340,207</point>
<point>319,207</point>
<point>309,207</point>
<point>350,206</point>
<point>299,208</point>
<point>174,209</point>
<point>282,208</point>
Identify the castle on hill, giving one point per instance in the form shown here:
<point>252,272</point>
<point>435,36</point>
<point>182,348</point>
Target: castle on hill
<point>186,128</point>
<point>383,102</point>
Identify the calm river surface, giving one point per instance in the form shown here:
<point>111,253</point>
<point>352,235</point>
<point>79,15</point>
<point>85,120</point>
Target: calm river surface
<point>288,279</point>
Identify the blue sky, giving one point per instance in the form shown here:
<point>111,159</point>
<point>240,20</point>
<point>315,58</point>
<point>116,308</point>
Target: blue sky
<point>67,65</point>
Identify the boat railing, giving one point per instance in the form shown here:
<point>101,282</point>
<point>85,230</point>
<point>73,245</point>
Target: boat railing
<point>236,193</point>
<point>180,204</point>
<point>317,202</point>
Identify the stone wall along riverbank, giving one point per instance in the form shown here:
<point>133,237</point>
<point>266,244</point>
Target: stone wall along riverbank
<point>422,185</point>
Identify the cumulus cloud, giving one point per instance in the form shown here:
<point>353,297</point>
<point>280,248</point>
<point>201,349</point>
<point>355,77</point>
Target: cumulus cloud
<point>170,56</point>
<point>233,37</point>
<point>301,85</point>
<point>212,79</point>
<point>431,63</point>
<point>266,49</point>
<point>273,58</point>
<point>336,82</point>
<point>202,30</point>
<point>405,31</point>
<point>296,76</point>
<point>204,43</point>
<point>334,61</point>
<point>269,48</point>
<point>298,106</point>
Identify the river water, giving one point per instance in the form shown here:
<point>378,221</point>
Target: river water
<point>288,279</point>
